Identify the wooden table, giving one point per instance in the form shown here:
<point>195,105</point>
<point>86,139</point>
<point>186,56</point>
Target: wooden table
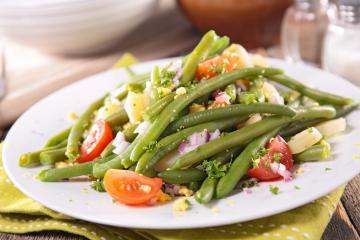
<point>166,34</point>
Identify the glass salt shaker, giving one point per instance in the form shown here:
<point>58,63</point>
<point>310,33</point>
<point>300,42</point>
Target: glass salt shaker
<point>303,29</point>
<point>341,54</point>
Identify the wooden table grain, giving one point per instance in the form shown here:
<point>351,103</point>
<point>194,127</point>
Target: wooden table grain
<point>175,37</point>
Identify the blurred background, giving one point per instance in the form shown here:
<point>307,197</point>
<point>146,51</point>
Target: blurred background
<point>47,44</point>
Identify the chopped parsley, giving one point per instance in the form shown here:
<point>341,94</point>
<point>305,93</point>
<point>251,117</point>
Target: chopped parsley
<point>214,169</point>
<point>277,157</point>
<point>150,147</point>
<point>98,185</point>
<point>274,189</point>
<point>248,184</point>
<point>166,77</point>
<point>328,169</point>
<point>255,162</point>
<point>260,152</point>
<point>220,69</point>
<point>248,98</point>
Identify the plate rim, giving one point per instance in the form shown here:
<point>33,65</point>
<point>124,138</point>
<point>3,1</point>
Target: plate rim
<point>230,220</point>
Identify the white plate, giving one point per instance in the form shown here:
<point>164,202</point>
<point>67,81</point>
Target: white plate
<point>50,115</point>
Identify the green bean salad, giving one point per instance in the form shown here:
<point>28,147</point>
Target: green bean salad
<point>211,123</point>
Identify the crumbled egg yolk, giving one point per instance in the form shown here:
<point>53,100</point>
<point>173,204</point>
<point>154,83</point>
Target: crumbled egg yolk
<point>73,116</point>
<point>215,210</point>
<point>63,164</point>
<point>185,191</point>
<point>163,91</point>
<point>180,91</point>
<point>162,197</point>
<point>217,104</point>
<point>299,170</point>
<point>196,108</point>
<point>181,205</point>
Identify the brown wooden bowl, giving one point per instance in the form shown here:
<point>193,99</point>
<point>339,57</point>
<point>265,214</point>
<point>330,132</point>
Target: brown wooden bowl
<point>254,23</point>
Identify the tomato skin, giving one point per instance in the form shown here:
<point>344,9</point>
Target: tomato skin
<point>97,140</point>
<point>262,171</point>
<point>208,69</point>
<point>131,188</point>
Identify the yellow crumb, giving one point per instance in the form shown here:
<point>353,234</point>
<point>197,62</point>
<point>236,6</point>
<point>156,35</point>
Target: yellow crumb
<point>358,145</point>
<point>63,164</point>
<point>180,91</point>
<point>299,170</point>
<point>230,202</point>
<point>127,125</point>
<point>356,156</point>
<point>181,205</point>
<point>217,104</point>
<point>215,210</point>
<point>162,197</point>
<point>185,191</point>
<point>163,91</point>
<point>73,116</point>
<point>196,108</point>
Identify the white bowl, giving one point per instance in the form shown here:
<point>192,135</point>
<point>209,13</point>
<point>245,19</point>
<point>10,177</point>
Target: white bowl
<point>72,27</point>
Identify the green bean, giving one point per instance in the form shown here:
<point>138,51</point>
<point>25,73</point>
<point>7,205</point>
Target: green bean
<point>182,176</point>
<point>129,71</point>
<point>129,133</point>
<point>169,143</point>
<point>345,110</point>
<point>229,111</point>
<point>199,54</point>
<point>118,162</point>
<point>227,155</point>
<point>256,87</point>
<point>206,191</point>
<point>77,130</point>
<point>241,164</point>
<point>138,79</point>
<point>155,82</point>
<point>158,106</point>
<point>53,156</point>
<point>170,112</point>
<point>117,118</point>
<point>299,126</point>
<point>57,174</point>
<point>136,87</point>
<point>320,96</point>
<point>230,90</point>
<point>314,153</point>
<point>108,150</point>
<point>58,138</point>
<point>233,139</point>
<point>149,173</point>
<point>194,186</point>
<point>294,103</point>
<point>132,168</point>
<point>315,112</point>
<point>219,46</point>
<point>31,159</point>
<point>203,100</point>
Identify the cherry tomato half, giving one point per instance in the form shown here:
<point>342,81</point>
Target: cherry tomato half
<point>99,137</point>
<point>131,188</point>
<point>263,171</point>
<point>214,66</point>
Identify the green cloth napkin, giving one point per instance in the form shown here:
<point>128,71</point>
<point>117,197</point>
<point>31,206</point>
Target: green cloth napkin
<point>20,214</point>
